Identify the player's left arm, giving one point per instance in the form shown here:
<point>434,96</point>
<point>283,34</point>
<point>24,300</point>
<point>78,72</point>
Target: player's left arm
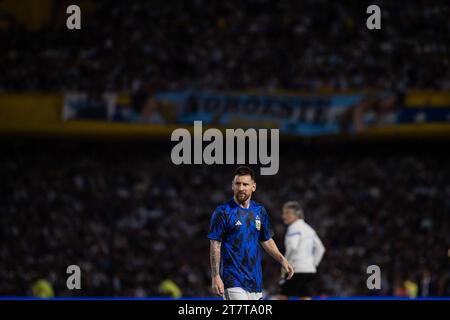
<point>271,248</point>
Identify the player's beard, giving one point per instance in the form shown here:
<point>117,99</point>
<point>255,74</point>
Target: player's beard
<point>241,197</point>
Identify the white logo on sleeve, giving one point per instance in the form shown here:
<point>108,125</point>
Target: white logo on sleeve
<point>258,223</point>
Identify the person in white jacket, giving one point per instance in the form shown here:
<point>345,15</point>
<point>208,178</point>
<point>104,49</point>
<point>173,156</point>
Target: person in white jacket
<point>304,251</point>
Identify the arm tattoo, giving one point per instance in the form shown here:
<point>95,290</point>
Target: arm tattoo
<point>214,256</point>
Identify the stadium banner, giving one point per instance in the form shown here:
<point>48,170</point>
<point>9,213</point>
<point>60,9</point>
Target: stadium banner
<point>301,115</point>
<point>292,114</point>
<point>296,115</point>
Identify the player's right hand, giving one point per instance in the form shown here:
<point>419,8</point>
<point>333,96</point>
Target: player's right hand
<point>288,269</point>
<point>217,285</point>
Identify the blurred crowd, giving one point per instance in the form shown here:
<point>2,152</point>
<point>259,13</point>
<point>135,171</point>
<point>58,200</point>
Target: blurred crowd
<point>228,45</point>
<point>134,222</point>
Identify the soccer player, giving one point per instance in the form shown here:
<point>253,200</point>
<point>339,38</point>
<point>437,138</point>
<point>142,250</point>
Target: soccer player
<point>238,230</point>
<point>304,251</point>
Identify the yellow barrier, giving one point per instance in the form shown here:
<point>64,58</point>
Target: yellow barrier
<point>29,109</point>
<point>422,98</point>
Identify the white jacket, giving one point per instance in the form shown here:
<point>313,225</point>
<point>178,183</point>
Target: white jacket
<point>304,250</point>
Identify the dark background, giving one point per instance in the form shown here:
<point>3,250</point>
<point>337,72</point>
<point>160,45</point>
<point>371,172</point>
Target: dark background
<point>131,219</point>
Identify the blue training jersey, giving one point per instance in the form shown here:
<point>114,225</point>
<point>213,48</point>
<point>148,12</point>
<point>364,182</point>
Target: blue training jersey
<point>240,230</point>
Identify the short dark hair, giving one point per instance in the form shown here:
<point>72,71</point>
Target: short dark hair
<point>244,171</point>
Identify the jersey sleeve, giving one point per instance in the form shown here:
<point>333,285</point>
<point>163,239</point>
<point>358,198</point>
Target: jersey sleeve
<point>266,228</point>
<point>217,225</point>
